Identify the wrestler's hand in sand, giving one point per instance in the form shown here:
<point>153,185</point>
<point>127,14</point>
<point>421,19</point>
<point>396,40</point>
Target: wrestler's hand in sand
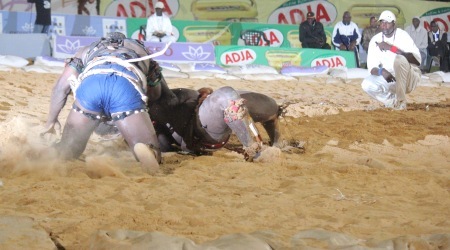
<point>53,128</point>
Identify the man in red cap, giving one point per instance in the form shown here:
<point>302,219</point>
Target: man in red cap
<point>312,34</point>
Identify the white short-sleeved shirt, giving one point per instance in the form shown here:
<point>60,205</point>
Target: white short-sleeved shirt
<point>400,39</point>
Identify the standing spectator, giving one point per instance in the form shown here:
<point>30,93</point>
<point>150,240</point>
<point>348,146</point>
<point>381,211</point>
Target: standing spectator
<point>159,26</point>
<point>82,7</point>
<point>369,32</point>
<point>312,33</point>
<point>393,62</point>
<point>346,35</point>
<point>43,16</point>
<point>419,36</point>
<point>438,47</point>
<point>97,7</point>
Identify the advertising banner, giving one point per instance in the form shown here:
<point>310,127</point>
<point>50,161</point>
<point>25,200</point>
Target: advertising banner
<point>17,22</point>
<point>184,52</point>
<point>226,33</point>
<point>77,25</point>
<point>277,57</point>
<point>191,31</point>
<point>67,46</point>
<point>292,12</point>
<point>236,12</point>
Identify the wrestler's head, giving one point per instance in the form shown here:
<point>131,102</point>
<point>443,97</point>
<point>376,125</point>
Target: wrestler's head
<point>116,38</point>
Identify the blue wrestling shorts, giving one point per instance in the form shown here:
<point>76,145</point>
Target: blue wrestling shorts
<point>109,93</point>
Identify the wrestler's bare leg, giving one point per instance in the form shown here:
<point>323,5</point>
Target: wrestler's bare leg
<point>265,110</point>
<point>165,138</point>
<point>272,129</point>
<point>75,136</point>
<point>137,130</point>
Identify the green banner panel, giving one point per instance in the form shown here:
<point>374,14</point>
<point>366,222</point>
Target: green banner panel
<point>227,33</point>
<point>279,57</point>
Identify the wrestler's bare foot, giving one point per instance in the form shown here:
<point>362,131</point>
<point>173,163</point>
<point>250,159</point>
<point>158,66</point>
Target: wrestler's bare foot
<point>147,158</point>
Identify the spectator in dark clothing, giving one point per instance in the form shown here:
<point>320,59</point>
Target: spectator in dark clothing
<point>97,7</point>
<point>312,34</point>
<point>82,7</point>
<point>369,32</point>
<point>438,47</point>
<point>43,16</point>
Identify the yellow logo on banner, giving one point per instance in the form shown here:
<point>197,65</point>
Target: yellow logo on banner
<point>280,58</point>
<point>218,35</point>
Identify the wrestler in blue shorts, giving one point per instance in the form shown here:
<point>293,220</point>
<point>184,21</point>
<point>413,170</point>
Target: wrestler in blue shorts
<point>109,93</point>
<point>107,86</point>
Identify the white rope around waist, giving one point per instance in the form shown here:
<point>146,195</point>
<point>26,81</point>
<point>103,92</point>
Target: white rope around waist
<point>136,83</point>
<point>139,83</point>
<point>140,86</point>
<point>111,59</point>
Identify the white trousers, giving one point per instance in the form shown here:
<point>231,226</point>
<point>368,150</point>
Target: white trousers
<point>390,93</point>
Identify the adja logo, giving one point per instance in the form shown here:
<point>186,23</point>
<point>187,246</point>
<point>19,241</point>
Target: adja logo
<point>294,12</point>
<point>238,57</point>
<point>331,62</point>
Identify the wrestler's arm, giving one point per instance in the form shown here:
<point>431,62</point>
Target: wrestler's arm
<point>153,74</point>
<point>154,92</point>
<point>157,86</point>
<point>155,81</point>
<point>60,92</point>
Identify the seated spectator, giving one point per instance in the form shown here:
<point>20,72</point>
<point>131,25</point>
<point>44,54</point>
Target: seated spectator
<point>312,33</point>
<point>159,26</point>
<point>369,32</point>
<point>346,35</point>
<point>419,36</point>
<point>438,47</point>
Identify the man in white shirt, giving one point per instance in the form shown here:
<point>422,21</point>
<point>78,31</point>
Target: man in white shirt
<point>393,62</point>
<point>346,35</point>
<point>419,36</point>
<point>159,26</point>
